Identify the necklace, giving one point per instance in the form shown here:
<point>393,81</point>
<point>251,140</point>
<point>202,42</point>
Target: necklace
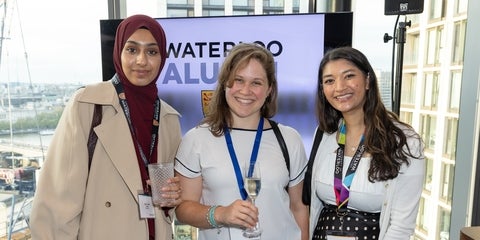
<point>342,138</point>
<point>352,148</point>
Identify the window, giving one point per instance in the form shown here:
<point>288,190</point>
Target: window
<point>454,94</point>
<point>435,46</point>
<point>273,6</point>
<point>296,6</point>
<point>408,89</point>
<point>180,8</point>
<point>411,49</point>
<point>458,42</point>
<point>428,174</point>
<point>461,6</point>
<point>437,9</point>
<point>273,3</point>
<point>213,2</point>
<point>385,87</point>
<point>243,7</point>
<point>213,8</point>
<point>427,131</point>
<point>40,68</point>
<point>443,224</point>
<point>179,12</point>
<point>432,40</point>
<point>207,12</point>
<point>446,188</point>
<point>450,138</point>
<point>422,218</point>
<point>430,91</point>
<point>406,117</point>
<point>243,2</point>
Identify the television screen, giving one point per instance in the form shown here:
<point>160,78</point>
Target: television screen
<point>197,46</point>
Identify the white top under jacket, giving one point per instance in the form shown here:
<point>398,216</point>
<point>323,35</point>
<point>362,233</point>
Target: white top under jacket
<point>396,199</point>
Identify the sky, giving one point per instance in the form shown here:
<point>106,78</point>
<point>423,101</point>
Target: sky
<point>370,24</point>
<point>61,39</point>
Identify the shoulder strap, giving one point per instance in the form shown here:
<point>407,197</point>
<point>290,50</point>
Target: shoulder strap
<point>306,193</point>
<point>92,137</point>
<point>281,141</point>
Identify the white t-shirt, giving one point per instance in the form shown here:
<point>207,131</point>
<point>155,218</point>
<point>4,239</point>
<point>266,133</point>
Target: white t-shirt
<point>202,154</point>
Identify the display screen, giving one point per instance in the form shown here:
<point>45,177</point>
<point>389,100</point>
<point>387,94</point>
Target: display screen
<point>197,46</point>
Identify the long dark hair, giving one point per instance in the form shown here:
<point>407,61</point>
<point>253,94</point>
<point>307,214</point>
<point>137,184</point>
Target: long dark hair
<point>385,135</point>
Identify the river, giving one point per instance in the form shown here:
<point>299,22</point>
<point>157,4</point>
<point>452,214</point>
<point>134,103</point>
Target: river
<point>33,139</point>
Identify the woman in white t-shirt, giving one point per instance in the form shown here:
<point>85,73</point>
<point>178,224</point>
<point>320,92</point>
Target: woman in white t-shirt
<point>243,102</point>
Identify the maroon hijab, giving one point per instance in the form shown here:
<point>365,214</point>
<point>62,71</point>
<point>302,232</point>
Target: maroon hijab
<point>140,99</point>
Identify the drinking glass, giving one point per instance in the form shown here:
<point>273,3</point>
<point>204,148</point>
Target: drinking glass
<point>159,174</point>
<point>252,184</point>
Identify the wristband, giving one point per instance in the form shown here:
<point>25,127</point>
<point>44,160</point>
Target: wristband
<point>211,218</point>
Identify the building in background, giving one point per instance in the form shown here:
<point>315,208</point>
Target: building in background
<point>432,76</point>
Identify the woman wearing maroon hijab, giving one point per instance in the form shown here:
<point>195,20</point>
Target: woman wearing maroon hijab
<point>108,198</point>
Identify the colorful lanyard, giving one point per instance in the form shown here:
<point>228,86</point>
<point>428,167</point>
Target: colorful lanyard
<point>342,189</point>
<point>156,117</point>
<point>253,157</point>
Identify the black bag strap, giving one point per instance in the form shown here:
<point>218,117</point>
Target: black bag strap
<point>307,182</point>
<point>281,142</point>
<point>92,137</point>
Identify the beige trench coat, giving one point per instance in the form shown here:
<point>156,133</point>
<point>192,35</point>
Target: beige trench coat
<point>66,205</point>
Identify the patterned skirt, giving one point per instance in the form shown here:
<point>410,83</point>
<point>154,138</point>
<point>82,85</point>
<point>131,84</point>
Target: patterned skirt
<point>364,225</point>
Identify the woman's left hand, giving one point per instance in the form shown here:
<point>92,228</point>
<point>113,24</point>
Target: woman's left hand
<point>172,192</point>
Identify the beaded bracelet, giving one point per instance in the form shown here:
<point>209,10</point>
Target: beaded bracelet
<point>211,218</point>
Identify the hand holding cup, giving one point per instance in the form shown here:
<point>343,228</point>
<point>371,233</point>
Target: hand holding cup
<point>165,187</point>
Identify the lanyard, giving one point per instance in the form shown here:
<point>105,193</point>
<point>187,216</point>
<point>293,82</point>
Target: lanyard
<point>156,117</point>
<point>342,189</point>
<point>253,157</point>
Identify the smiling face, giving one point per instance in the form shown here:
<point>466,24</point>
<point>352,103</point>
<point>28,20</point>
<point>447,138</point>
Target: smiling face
<point>344,86</point>
<point>247,94</point>
<point>141,58</point>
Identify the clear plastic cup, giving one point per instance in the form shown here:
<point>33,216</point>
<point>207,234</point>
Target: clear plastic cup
<point>159,173</point>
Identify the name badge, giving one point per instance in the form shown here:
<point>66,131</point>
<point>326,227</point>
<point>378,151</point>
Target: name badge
<point>145,205</point>
<point>341,235</point>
